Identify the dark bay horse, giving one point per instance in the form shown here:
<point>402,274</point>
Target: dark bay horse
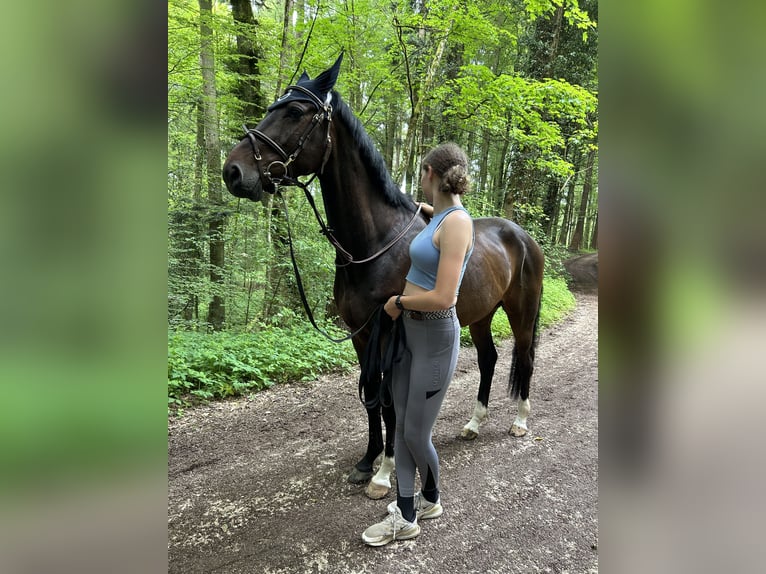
<point>310,130</point>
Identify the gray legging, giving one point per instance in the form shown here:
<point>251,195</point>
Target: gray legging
<point>419,384</point>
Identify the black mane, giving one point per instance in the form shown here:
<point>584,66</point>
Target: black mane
<point>369,154</point>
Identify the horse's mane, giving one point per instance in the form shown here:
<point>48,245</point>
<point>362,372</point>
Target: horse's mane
<point>369,154</point>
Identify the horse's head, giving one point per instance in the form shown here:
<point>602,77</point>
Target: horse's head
<point>293,139</point>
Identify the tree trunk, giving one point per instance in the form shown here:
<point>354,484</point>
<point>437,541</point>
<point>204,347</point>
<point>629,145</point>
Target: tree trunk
<point>199,155</point>
<point>192,226</point>
<point>416,100</point>
<point>570,200</point>
<point>501,185</point>
<point>279,291</point>
<point>574,245</point>
<point>282,291</point>
<point>557,20</point>
<point>250,54</point>
<point>216,311</point>
<point>391,134</point>
<point>283,52</point>
<point>550,207</point>
<point>594,237</point>
<point>483,164</point>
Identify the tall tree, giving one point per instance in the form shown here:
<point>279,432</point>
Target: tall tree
<point>248,61</point>
<point>566,224</point>
<point>284,51</point>
<point>577,236</point>
<point>418,90</point>
<point>594,237</point>
<point>283,293</point>
<point>216,311</point>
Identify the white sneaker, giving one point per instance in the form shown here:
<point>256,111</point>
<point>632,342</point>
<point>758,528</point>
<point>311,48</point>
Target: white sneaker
<point>393,527</point>
<point>423,508</point>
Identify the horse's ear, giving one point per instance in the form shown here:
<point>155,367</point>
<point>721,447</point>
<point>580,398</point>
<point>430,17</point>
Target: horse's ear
<point>325,81</point>
<point>304,77</point>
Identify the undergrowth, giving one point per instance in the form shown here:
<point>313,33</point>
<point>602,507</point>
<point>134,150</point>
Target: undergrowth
<point>210,366</point>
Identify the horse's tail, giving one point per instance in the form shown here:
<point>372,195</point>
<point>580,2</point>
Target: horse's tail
<point>523,361</point>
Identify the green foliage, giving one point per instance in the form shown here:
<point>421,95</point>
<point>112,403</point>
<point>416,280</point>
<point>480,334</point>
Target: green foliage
<point>533,110</point>
<point>209,366</point>
<point>575,15</point>
<point>558,301</point>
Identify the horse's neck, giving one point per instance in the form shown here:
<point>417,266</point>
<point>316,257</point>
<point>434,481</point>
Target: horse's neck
<point>357,213</point>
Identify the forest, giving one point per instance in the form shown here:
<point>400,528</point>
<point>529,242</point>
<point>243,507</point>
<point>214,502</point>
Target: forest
<point>514,83</point>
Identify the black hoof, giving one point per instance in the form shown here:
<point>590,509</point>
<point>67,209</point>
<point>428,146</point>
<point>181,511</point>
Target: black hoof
<point>359,477</point>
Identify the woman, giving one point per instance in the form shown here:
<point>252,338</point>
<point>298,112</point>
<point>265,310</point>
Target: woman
<point>439,255</point>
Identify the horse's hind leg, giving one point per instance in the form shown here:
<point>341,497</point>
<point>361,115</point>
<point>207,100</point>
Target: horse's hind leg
<point>523,317</point>
<point>381,482</point>
<point>481,334</point>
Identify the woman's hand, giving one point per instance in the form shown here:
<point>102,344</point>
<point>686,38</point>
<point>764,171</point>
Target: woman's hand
<point>391,308</point>
<point>426,209</point>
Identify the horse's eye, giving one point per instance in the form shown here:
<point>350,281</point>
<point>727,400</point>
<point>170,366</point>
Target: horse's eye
<point>294,112</point>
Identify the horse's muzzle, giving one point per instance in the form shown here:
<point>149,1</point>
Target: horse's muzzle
<point>242,182</point>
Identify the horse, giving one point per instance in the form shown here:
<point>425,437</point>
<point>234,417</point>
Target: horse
<point>310,130</point>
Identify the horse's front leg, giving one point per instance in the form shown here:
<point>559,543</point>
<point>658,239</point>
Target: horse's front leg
<point>381,482</point>
<point>487,357</point>
<point>362,471</point>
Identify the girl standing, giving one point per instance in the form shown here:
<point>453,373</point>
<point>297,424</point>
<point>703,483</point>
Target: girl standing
<point>439,255</point>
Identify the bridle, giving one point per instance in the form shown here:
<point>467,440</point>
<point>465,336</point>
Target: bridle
<point>324,112</point>
<point>272,181</point>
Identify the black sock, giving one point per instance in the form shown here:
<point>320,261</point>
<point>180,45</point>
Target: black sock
<point>431,495</point>
<point>406,505</point>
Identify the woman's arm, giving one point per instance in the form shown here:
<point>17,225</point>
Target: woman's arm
<point>455,236</point>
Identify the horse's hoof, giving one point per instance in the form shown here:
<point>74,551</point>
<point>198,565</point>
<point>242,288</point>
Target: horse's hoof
<point>359,477</point>
<point>468,434</point>
<point>376,491</point>
<point>517,431</point>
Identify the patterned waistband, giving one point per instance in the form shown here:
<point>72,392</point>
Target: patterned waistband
<point>428,315</point>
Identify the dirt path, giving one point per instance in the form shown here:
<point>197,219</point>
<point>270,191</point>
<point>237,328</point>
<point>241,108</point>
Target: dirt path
<point>259,485</point>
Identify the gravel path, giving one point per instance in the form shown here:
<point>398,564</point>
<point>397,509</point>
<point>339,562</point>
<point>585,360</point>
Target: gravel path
<point>258,485</point>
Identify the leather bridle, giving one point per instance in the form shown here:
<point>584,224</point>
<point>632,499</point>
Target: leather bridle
<point>271,180</point>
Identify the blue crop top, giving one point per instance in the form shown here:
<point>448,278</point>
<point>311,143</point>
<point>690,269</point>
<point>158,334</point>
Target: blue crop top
<point>425,256</point>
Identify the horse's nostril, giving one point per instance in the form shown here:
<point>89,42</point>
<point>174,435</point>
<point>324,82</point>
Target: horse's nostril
<point>232,175</point>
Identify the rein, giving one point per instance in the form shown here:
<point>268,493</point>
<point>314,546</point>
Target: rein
<point>339,248</point>
<point>302,292</point>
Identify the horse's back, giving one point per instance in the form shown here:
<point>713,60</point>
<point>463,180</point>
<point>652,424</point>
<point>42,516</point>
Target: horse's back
<point>501,251</point>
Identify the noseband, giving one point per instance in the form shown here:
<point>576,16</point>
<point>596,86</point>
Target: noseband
<point>270,180</point>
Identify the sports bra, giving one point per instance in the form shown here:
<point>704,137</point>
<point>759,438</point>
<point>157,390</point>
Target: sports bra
<point>424,255</point>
